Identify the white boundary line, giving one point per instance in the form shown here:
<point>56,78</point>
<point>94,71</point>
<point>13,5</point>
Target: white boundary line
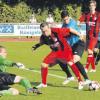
<point>53,75</point>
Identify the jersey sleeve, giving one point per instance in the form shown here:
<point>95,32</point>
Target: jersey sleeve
<point>82,18</point>
<point>63,31</point>
<point>98,26</point>
<point>5,62</point>
<point>8,63</point>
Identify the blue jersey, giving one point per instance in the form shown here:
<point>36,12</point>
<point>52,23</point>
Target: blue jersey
<point>72,39</point>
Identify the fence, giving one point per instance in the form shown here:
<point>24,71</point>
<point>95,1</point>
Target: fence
<point>26,29</point>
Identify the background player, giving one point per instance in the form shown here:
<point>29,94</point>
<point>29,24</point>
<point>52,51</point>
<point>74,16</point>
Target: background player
<point>77,44</point>
<point>92,20</point>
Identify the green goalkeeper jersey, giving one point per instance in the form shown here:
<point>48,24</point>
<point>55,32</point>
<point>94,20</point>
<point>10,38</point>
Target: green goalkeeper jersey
<point>4,63</point>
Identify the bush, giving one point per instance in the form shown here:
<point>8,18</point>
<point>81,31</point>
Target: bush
<point>21,12</point>
<point>17,14</point>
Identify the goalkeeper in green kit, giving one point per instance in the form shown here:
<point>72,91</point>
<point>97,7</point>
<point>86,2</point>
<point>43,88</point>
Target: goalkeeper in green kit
<point>7,79</point>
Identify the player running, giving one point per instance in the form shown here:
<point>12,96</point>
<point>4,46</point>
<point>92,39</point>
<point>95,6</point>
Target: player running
<point>7,79</point>
<point>78,46</point>
<point>61,51</point>
<point>92,20</point>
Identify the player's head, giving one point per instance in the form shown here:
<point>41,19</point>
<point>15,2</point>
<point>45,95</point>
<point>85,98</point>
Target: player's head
<point>65,17</point>
<point>92,5</point>
<point>45,28</point>
<point>3,52</point>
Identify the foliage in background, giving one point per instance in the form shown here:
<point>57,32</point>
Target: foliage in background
<point>17,14</point>
<point>21,12</point>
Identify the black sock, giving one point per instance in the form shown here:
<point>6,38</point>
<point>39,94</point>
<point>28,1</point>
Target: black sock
<point>65,68</point>
<point>98,57</point>
<point>82,70</point>
<point>95,54</point>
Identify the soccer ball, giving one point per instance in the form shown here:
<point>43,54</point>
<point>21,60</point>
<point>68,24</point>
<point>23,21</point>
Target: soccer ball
<point>20,65</point>
<point>94,86</point>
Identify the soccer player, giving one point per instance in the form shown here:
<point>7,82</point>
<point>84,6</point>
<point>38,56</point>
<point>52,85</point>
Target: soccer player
<point>7,79</point>
<point>61,51</point>
<point>92,20</point>
<point>77,45</point>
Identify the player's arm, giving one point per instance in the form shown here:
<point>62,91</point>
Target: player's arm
<point>82,18</point>
<point>73,31</point>
<point>63,31</point>
<point>66,31</point>
<point>36,46</point>
<point>9,63</point>
<point>97,26</point>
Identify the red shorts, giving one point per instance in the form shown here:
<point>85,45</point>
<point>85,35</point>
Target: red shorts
<point>92,43</point>
<point>63,56</point>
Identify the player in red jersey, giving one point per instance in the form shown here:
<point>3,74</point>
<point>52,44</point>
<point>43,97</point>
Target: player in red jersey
<point>61,51</point>
<point>92,20</point>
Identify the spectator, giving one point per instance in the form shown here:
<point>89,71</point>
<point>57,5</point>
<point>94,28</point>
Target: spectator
<point>50,19</point>
<point>33,21</point>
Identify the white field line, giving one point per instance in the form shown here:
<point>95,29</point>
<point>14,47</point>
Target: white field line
<point>53,75</point>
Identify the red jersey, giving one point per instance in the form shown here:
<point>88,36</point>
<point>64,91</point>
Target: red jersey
<point>92,23</point>
<point>57,40</point>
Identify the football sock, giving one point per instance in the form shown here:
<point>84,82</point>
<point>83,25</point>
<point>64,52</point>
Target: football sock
<point>65,68</point>
<point>93,63</point>
<point>98,57</point>
<point>82,70</point>
<point>44,72</point>
<point>25,83</point>
<point>76,72</point>
<point>89,59</point>
<point>95,54</point>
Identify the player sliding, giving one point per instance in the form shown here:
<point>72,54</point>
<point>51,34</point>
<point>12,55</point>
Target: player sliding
<point>61,51</point>
<point>7,79</point>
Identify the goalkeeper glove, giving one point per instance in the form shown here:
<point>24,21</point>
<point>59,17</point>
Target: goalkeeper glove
<point>34,47</point>
<point>18,65</point>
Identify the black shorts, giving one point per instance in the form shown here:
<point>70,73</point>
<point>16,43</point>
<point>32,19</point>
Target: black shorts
<point>6,79</point>
<point>78,48</point>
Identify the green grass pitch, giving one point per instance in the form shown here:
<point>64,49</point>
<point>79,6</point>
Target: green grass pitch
<point>21,52</point>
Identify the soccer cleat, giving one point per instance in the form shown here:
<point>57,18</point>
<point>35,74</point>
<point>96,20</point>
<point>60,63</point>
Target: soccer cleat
<point>66,81</point>
<point>81,85</point>
<point>41,85</point>
<point>87,82</point>
<point>92,70</point>
<point>34,90</point>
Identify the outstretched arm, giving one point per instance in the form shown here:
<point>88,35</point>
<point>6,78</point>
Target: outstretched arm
<point>34,47</point>
<point>66,31</point>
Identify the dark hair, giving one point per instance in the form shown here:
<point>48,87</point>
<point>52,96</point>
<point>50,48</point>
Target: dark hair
<point>43,24</point>
<point>93,1</point>
<point>64,14</point>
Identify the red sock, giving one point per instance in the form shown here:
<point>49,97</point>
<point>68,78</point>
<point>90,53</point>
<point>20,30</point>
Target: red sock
<point>89,59</point>
<point>44,73</point>
<point>76,72</point>
<point>93,63</point>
